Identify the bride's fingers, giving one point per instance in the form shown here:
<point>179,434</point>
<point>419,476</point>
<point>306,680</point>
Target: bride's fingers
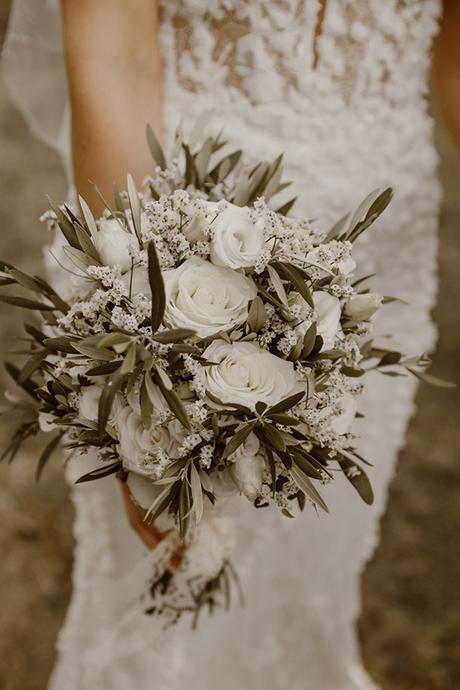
<point>147,531</point>
<point>176,559</point>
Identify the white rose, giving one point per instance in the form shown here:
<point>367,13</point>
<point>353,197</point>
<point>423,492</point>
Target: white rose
<point>362,307</point>
<point>237,241</point>
<point>89,402</point>
<point>245,374</point>
<point>137,445</point>
<point>206,298</point>
<point>328,323</point>
<point>341,423</point>
<point>247,473</point>
<point>112,243</point>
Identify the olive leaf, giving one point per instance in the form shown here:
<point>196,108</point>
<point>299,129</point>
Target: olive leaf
<point>104,369</point>
<point>237,439</point>
<point>274,437</point>
<point>257,315</point>
<point>106,400</point>
<point>185,503</point>
<point>100,472</point>
<point>86,245</point>
<point>285,208</point>
<point>305,484</point>
<point>175,404</point>
<point>309,341</point>
<point>65,225</point>
<point>32,364</point>
<point>305,466</point>
<point>89,218</point>
<point>25,303</point>
<point>287,403</point>
<point>135,206</point>
<point>60,344</point>
<point>376,203</point>
<point>297,279</point>
<point>129,361</point>
<point>157,287</point>
<point>197,493</point>
<point>155,147</point>
<point>94,352</point>
<point>357,478</point>
<point>432,380</point>
<point>278,286</point>
<point>202,159</point>
<point>173,335</point>
<point>46,454</point>
<point>78,258</point>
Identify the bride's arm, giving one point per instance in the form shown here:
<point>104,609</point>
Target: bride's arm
<point>446,67</point>
<point>113,67</point>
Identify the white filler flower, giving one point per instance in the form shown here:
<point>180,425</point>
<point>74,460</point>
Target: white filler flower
<point>236,240</point>
<point>245,374</point>
<point>206,298</point>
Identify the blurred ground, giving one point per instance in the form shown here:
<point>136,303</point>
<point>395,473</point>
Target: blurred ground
<point>410,625</point>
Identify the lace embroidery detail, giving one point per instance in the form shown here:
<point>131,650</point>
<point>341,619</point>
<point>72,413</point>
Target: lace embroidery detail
<point>359,49</point>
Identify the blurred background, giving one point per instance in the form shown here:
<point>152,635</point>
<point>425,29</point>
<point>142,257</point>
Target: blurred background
<point>410,623</point>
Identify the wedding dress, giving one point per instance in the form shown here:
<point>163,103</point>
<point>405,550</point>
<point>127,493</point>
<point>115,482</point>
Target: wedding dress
<point>341,88</point>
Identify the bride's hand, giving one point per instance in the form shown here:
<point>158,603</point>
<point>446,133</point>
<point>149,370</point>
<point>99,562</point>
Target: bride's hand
<point>147,532</point>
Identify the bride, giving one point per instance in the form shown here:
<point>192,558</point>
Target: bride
<point>341,87</point>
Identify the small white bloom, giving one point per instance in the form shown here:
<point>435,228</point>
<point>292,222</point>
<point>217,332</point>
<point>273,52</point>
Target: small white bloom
<point>89,402</point>
<point>237,241</point>
<point>362,307</point>
<point>328,324</point>
<point>245,374</point>
<point>247,473</point>
<point>113,243</point>
<point>333,254</point>
<point>206,298</point>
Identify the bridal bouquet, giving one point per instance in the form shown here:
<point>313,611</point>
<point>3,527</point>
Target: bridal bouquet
<point>209,345</point>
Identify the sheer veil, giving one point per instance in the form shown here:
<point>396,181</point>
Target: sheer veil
<point>34,72</point>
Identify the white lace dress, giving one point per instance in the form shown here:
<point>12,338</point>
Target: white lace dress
<point>341,88</point>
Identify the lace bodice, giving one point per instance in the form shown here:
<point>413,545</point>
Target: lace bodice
<point>339,86</point>
<point>321,54</point>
